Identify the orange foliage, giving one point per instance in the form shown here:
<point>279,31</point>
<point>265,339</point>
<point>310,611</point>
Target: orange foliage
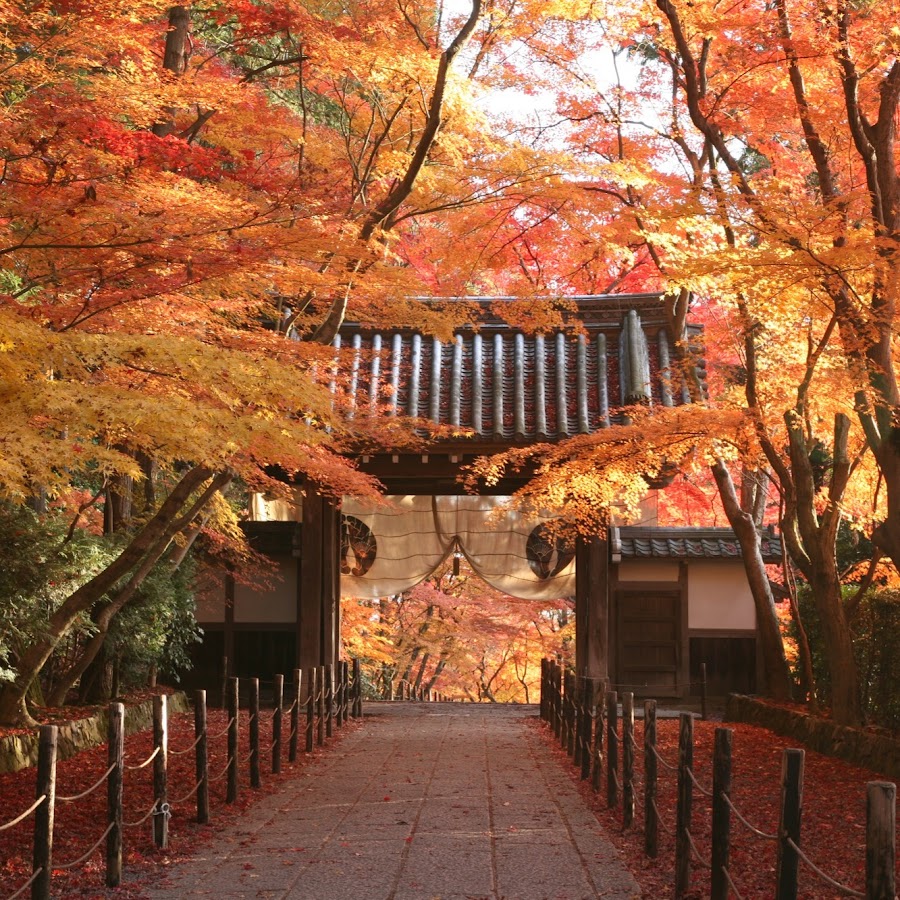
<point>458,636</point>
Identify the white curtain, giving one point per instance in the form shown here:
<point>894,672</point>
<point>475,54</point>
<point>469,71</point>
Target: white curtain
<point>388,549</point>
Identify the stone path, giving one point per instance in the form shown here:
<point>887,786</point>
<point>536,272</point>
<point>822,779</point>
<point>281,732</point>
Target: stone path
<point>446,801</point>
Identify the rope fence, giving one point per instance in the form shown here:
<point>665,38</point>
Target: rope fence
<point>147,761</point>
<point>85,857</point>
<point>583,715</point>
<point>24,815</point>
<point>328,694</point>
<point>90,790</point>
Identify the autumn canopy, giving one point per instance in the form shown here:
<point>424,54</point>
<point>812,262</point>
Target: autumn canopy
<point>194,199</point>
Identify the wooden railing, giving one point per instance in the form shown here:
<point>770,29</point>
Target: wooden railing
<point>328,697</point>
<point>583,716</point>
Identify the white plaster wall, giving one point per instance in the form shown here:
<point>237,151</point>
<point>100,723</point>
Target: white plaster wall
<point>648,570</point>
<point>278,604</point>
<point>268,509</point>
<point>719,596</point>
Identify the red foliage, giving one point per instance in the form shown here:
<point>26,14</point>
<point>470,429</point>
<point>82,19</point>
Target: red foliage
<point>833,830</point>
<point>80,823</point>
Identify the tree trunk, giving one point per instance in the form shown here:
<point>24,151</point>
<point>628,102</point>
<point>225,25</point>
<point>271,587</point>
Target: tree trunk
<point>104,615</point>
<point>167,520</point>
<point>776,673</point>
<point>886,535</point>
<point>175,57</point>
<point>846,707</point>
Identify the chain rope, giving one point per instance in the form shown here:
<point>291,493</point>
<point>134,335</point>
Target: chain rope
<point>90,853</point>
<point>25,814</point>
<point>90,790</point>
<point>141,820</point>
<point>187,749</point>
<point>745,823</point>
<point>731,883</point>
<point>660,821</point>
<point>146,762</point>
<point>697,784</point>
<point>700,859</point>
<point>850,892</point>
<point>189,794</point>
<point>661,761</point>
<point>223,772</point>
<point>224,731</point>
<point>27,884</point>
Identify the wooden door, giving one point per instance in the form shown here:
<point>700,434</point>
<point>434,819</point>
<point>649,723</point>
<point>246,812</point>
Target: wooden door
<point>649,641</point>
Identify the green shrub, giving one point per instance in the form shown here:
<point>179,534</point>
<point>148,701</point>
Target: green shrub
<point>876,643</point>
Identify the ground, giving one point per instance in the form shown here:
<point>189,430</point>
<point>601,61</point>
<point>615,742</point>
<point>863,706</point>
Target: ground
<point>833,832</point>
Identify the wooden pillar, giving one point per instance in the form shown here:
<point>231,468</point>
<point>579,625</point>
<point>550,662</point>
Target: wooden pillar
<point>228,641</point>
<point>331,546</point>
<point>318,618</point>
<point>309,593</point>
<point>592,607</point>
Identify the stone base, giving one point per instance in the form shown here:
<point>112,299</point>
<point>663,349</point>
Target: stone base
<point>870,751</point>
<point>18,751</point>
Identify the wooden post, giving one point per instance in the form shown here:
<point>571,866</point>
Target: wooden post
<point>116,759</point>
<point>599,727</point>
<point>627,759</point>
<point>320,705</point>
<point>348,689</point>
<point>329,700</point>
<point>345,691</point>
<point>786,870</point>
<point>683,809</point>
<point>254,733</point>
<point>557,700</point>
<point>563,708</point>
<point>572,722</point>
<point>590,714</point>
<point>703,691</point>
<point>42,855</point>
<point>721,813</point>
<point>224,703</point>
<point>295,715</point>
<point>160,771</point>
<point>612,748</point>
<point>277,716</point>
<point>578,743</point>
<point>233,735</point>
<point>311,689</point>
<point>338,701</point>
<point>544,693</point>
<point>651,768</point>
<point>881,840</point>
<point>356,691</point>
<point>202,757</point>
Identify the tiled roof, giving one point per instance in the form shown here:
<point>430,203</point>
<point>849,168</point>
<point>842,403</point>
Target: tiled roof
<point>504,384</point>
<point>685,543</point>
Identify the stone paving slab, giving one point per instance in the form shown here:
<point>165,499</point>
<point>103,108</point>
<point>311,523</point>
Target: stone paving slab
<point>425,802</point>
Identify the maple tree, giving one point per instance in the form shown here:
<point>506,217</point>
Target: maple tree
<point>457,635</point>
<point>171,227</point>
<point>751,160</point>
